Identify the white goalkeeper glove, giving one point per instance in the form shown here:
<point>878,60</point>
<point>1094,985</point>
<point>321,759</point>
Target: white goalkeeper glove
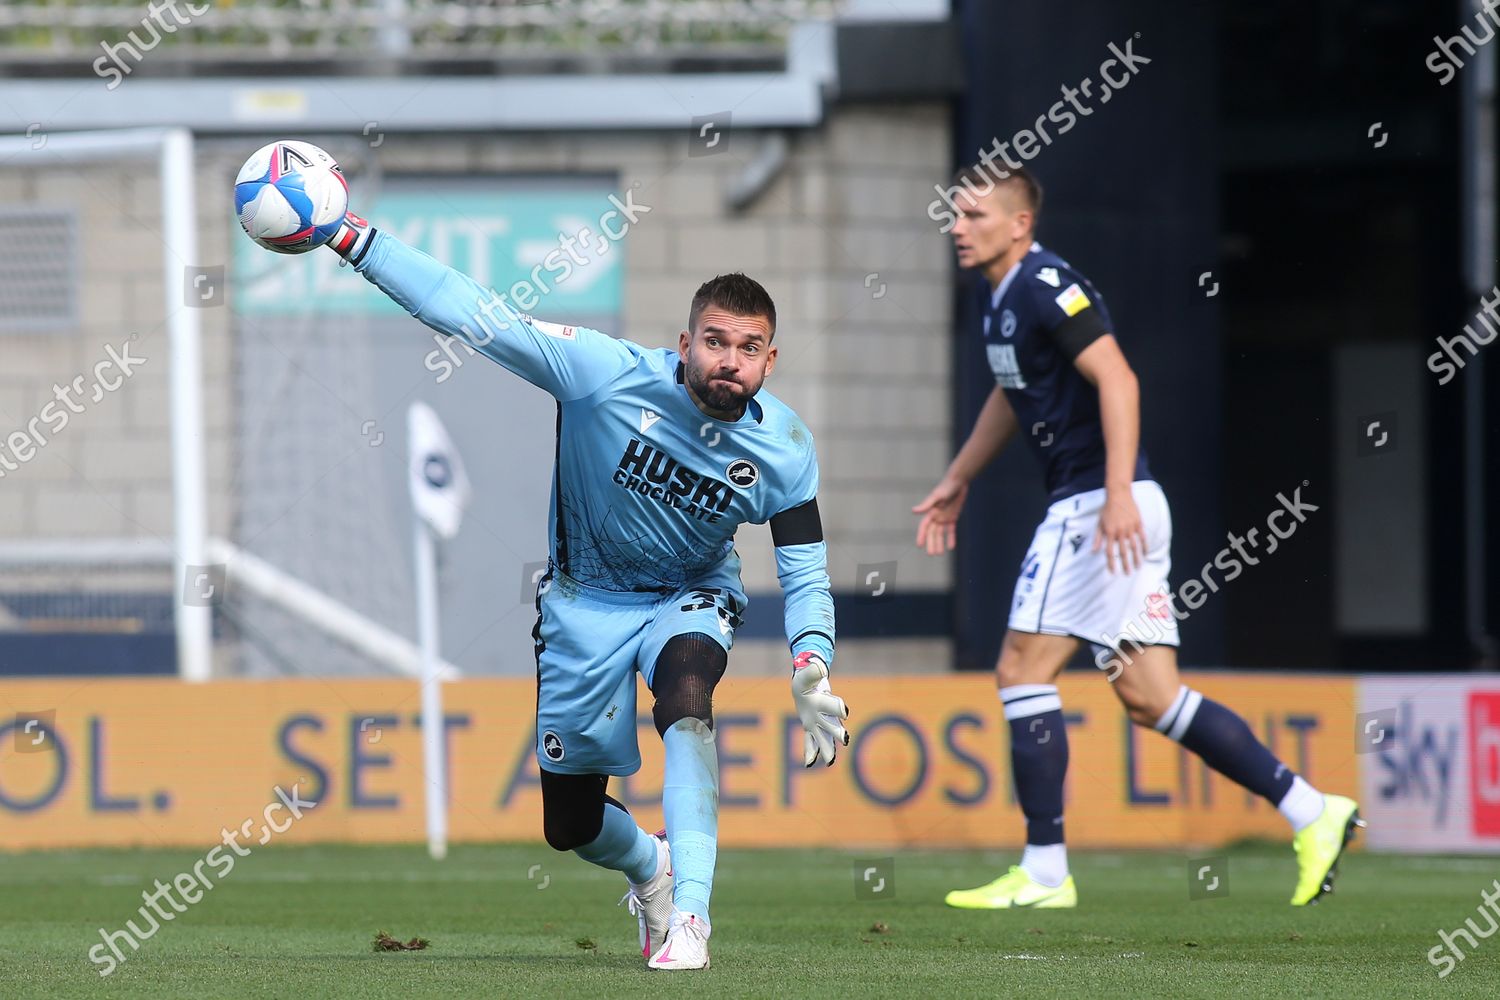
<point>351,238</point>
<point>822,712</point>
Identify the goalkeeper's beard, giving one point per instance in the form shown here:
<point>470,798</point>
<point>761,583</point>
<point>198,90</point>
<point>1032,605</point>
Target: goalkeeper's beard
<point>720,396</point>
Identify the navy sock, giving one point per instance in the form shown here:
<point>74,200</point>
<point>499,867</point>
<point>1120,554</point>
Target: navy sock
<point>1226,744</point>
<point>1038,757</point>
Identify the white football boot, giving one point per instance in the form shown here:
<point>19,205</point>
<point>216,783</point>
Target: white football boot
<point>651,901</point>
<point>687,944</point>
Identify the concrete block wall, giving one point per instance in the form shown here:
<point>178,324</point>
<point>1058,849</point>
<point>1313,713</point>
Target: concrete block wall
<point>107,472</point>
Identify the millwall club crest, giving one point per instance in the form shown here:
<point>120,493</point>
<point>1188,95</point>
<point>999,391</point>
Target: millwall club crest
<point>552,746</point>
<point>1007,324</point>
<point>742,474</point>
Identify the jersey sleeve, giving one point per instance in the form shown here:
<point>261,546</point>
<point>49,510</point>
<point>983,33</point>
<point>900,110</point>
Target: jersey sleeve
<point>1071,312</point>
<point>802,567</point>
<point>569,362</point>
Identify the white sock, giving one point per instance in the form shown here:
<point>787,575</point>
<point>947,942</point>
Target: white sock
<point>1301,804</point>
<point>1046,863</point>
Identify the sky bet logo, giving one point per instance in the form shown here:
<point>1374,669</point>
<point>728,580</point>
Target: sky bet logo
<point>1416,759</point>
<point>653,473</point>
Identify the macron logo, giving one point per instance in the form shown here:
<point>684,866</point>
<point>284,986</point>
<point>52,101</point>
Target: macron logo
<point>648,417</point>
<point>1050,276</point>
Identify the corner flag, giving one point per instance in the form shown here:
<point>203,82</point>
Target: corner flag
<point>439,493</point>
<point>435,473</point>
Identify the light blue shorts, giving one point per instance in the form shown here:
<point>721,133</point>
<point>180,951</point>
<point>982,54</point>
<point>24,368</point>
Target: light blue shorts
<point>589,645</point>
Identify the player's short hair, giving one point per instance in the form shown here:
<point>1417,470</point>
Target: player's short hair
<point>980,180</point>
<point>735,293</point>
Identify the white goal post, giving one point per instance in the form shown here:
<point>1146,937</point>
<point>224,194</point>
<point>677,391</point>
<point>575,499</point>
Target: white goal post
<point>172,148</point>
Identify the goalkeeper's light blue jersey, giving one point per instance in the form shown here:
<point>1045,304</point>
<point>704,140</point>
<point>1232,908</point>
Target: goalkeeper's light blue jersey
<point>647,490</point>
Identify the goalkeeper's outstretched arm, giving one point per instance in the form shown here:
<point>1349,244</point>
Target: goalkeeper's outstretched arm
<point>802,568</point>
<point>568,362</point>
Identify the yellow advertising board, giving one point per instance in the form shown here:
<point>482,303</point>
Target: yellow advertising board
<point>158,762</point>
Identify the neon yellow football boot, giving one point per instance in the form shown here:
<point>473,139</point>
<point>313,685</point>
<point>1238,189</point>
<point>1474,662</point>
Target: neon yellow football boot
<point>1319,846</point>
<point>1015,889</point>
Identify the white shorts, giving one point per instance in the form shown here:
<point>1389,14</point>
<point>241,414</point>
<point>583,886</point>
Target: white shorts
<point>1066,588</point>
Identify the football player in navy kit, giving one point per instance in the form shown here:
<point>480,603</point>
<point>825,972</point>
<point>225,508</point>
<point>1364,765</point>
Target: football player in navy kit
<point>1099,562</point>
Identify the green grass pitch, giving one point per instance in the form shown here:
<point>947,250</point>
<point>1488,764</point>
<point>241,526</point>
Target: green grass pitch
<point>298,923</point>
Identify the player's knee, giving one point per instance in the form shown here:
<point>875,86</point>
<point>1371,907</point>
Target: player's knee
<point>1024,665</point>
<point>1011,671</point>
<point>574,828</point>
<point>683,681</point>
<point>1144,707</point>
<point>572,809</point>
<point>1008,667</point>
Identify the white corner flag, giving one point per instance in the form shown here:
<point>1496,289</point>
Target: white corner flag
<point>439,493</point>
<point>435,473</point>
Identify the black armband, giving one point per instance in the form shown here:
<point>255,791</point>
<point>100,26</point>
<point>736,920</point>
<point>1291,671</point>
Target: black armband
<point>800,525</point>
<point>1077,332</point>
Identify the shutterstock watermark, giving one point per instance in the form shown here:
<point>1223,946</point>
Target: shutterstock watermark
<point>192,883</point>
<point>21,446</point>
<point>1470,341</point>
<point>1489,908</point>
<point>1028,142</point>
<point>114,64</point>
<point>560,264</point>
<point>1160,607</point>
<point>1445,62</point>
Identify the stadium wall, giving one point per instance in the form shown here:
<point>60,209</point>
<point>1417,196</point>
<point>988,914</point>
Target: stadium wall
<point>164,763</point>
<point>862,279</point>
<point>106,472</point>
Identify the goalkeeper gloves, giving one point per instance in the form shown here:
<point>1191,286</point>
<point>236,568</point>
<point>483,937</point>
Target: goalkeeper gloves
<point>822,712</point>
<point>352,238</point>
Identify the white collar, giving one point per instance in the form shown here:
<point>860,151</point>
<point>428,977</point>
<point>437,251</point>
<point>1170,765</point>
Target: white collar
<point>999,290</point>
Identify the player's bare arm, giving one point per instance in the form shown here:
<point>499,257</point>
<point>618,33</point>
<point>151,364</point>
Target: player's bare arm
<point>1120,533</point>
<point>937,532</point>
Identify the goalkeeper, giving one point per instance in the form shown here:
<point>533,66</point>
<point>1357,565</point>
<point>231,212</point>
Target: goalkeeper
<point>661,456</point>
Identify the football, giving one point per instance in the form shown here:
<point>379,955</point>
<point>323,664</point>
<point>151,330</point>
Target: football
<point>291,196</point>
